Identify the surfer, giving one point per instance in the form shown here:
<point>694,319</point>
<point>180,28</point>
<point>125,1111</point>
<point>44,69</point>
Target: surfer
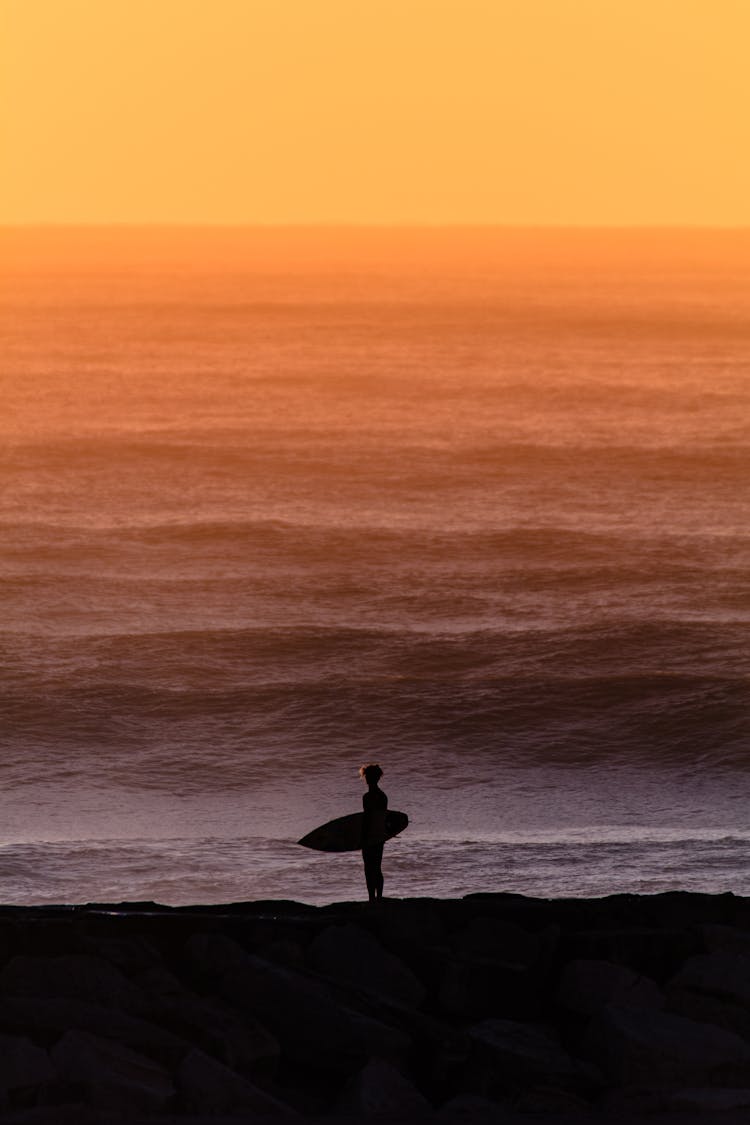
<point>374,803</point>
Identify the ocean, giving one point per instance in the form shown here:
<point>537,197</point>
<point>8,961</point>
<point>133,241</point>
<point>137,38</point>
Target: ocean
<point>473,504</point>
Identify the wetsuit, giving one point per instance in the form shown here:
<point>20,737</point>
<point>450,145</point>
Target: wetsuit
<point>374,803</point>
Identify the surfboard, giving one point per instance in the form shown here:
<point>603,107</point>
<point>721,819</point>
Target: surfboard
<point>345,833</point>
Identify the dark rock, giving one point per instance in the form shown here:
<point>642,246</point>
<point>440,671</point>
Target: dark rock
<point>114,1077</point>
<point>472,988</point>
<point>516,1056</point>
<point>406,927</point>
<point>661,1049</point>
<point>726,938</point>
<point>703,1100</point>
<point>131,954</point>
<point>468,1109</point>
<point>380,1090</point>
<point>353,955</point>
<point>493,939</point>
<point>236,1038</point>
<point>314,1030</point>
<point>158,981</point>
<point>586,986</point>
<point>48,1019</point>
<point>380,1039</point>
<point>542,1099</point>
<point>79,976</point>
<point>723,974</point>
<point>22,1064</point>
<point>207,1086</point>
<point>710,1009</point>
<point>657,953</point>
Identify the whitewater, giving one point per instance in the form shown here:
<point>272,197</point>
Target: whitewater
<point>480,517</point>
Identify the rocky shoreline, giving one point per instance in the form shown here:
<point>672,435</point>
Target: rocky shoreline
<point>491,1008</point>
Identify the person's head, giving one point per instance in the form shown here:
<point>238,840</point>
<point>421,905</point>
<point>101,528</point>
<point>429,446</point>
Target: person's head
<point>372,773</point>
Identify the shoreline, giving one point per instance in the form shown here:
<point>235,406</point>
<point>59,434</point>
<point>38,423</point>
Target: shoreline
<point>488,1008</point>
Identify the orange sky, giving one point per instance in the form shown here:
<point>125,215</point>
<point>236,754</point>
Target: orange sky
<point>376,111</point>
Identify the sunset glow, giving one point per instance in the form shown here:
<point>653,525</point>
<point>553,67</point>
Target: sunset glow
<point>417,111</point>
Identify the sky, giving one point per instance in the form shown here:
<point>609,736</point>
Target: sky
<point>581,112</point>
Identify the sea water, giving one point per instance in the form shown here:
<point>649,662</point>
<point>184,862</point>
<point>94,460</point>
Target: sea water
<point>470,504</point>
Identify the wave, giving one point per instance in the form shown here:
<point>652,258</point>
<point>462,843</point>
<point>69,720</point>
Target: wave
<point>540,543</point>
<point>202,728</point>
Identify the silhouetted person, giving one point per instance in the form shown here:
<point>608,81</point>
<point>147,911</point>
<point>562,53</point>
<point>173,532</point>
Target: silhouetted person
<point>375,804</point>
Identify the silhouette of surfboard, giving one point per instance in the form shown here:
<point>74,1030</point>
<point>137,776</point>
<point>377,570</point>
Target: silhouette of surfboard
<point>345,833</point>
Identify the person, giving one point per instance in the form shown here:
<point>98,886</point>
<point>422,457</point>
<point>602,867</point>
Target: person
<point>375,804</point>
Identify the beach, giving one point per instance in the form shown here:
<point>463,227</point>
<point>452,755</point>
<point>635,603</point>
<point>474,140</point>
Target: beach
<point>490,1008</point>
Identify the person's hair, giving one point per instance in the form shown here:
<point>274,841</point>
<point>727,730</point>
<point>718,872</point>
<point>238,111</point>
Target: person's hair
<point>372,773</point>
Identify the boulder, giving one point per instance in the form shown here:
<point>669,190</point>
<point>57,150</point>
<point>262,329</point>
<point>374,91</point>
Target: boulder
<point>157,982</point>
<point>471,988</point>
<point>704,1008</point>
<point>48,1019</point>
<point>547,1099</point>
<point>729,938</point>
<point>131,954</point>
<point>114,1076</point>
<point>207,1086</point>
<point>407,928</point>
<point>586,986</point>
<point>354,956</point>
<point>314,1030</point>
<point>79,976</point>
<point>655,952</point>
<point>702,1100</point>
<point>471,1109</point>
<point>494,939</point>
<point>235,1038</point>
<point>380,1090</point>
<point>382,1040</point>
<point>723,973</point>
<point>656,1048</point>
<point>511,1056</point>
<point>22,1064</point>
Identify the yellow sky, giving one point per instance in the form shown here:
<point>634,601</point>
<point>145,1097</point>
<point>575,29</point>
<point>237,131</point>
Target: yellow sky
<point>379,111</point>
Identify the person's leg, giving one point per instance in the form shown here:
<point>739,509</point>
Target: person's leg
<point>370,872</point>
<point>378,871</point>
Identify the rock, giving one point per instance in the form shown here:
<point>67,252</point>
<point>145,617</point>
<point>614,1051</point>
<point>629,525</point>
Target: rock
<point>550,1099</point>
<point>22,1064</point>
<point>586,986</point>
<point>468,1109</point>
<point>409,927</point>
<point>703,1008</point>
<point>703,1100</point>
<point>207,1086</point>
<point>380,1090</point>
<point>472,988</point>
<point>660,1049</point>
<point>50,1018</point>
<point>381,1039</point>
<point>158,981</point>
<point>728,938</point>
<point>354,956</point>
<point>79,976</point>
<point>314,1030</point>
<point>236,1038</point>
<point>494,939</point>
<point>656,953</point>
<point>131,954</point>
<point>723,974</point>
<point>516,1056</point>
<point>115,1077</point>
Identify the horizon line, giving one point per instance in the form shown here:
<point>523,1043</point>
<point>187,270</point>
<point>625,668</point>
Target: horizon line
<point>54,224</point>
